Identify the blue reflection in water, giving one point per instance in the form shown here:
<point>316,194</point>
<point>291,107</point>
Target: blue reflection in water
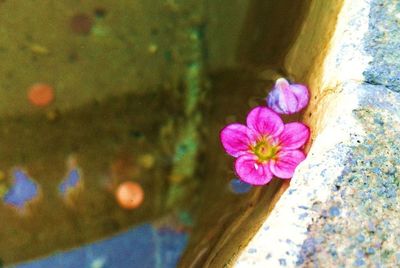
<point>239,187</point>
<point>70,182</point>
<point>142,246</point>
<point>22,191</point>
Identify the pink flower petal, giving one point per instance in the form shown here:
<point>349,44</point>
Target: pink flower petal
<point>287,99</point>
<point>286,163</point>
<point>302,95</point>
<point>236,139</point>
<point>252,172</point>
<point>265,121</point>
<point>294,136</point>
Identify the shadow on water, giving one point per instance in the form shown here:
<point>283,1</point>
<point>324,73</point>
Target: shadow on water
<point>226,221</point>
<point>269,30</point>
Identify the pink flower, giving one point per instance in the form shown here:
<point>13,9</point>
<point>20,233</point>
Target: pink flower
<point>266,147</point>
<point>286,98</point>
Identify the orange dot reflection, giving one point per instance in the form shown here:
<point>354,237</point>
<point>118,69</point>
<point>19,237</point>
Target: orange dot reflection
<point>129,195</point>
<point>41,94</point>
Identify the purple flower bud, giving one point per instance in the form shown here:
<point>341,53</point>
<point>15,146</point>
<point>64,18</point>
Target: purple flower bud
<point>286,98</point>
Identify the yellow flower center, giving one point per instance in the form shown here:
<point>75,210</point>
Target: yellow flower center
<point>265,151</point>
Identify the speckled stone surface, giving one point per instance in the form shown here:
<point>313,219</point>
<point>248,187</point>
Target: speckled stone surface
<point>359,224</point>
<point>383,42</point>
<point>342,207</point>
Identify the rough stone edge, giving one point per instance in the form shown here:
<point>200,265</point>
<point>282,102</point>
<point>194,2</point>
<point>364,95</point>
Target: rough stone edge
<point>281,237</point>
<point>279,240</point>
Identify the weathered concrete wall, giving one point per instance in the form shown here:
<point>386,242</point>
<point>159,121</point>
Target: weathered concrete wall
<point>137,47</point>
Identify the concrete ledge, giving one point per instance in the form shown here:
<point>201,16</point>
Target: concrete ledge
<point>341,209</point>
<point>341,205</point>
